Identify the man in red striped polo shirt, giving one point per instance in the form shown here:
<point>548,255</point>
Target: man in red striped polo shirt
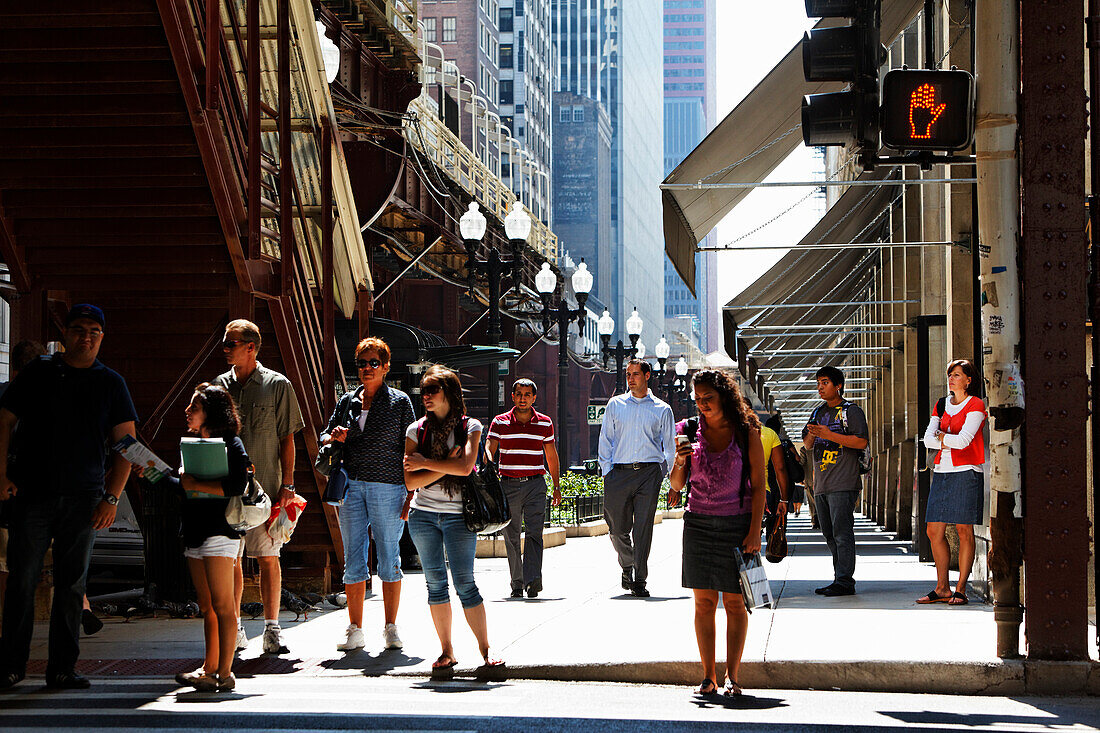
<point>525,439</point>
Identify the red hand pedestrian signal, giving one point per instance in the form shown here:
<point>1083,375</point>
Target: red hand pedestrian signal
<point>923,111</point>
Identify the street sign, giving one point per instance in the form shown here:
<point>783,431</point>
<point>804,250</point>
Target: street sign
<point>927,110</point>
<point>595,414</point>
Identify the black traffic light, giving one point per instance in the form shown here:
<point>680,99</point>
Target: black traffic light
<point>851,53</point>
<point>927,110</point>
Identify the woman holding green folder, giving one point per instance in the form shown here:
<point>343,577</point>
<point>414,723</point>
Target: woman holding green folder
<point>210,545</point>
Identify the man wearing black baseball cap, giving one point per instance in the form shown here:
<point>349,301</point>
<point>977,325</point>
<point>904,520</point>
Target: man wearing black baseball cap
<point>69,407</point>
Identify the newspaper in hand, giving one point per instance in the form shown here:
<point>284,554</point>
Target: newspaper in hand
<point>137,454</point>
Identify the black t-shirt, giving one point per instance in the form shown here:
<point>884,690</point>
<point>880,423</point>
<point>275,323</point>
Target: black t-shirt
<point>65,420</point>
<point>203,518</point>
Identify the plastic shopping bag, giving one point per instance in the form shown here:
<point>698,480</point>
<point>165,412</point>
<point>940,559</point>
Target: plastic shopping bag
<point>754,581</point>
<point>282,521</point>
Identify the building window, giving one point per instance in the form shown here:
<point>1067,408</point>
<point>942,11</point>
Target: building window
<point>564,115</point>
<point>578,114</point>
<point>505,55</point>
<point>519,49</point>
<point>429,30</point>
<point>519,109</point>
<point>507,95</point>
<point>506,20</point>
<point>449,26</point>
<point>519,8</point>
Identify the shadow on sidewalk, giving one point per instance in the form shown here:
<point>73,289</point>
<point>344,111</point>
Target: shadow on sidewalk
<point>372,666</point>
<point>744,701</point>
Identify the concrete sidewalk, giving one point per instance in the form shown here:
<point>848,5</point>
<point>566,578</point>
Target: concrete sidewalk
<point>585,627</point>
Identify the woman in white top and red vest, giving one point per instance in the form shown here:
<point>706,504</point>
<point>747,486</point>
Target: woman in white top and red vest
<point>957,495</point>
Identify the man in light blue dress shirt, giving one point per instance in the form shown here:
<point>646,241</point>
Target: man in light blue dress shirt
<point>637,447</point>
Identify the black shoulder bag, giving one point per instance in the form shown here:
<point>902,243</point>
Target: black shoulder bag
<point>331,454</point>
<point>484,505</point>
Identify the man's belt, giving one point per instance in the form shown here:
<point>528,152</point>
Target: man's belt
<point>636,466</point>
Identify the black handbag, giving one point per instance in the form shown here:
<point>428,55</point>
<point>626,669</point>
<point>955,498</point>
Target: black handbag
<point>336,488</point>
<point>331,454</point>
<point>484,505</point>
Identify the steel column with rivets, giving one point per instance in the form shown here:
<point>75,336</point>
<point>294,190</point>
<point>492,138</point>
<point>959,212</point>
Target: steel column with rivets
<point>1053,270</point>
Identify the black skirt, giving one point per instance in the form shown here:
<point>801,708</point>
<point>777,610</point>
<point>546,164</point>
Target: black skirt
<point>709,542</point>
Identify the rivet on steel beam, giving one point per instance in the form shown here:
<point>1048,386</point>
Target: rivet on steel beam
<point>1048,177</point>
<point>1048,234</point>
<point>1061,58</point>
<point>1063,236</point>
<point>1047,207</point>
<point>1048,354</point>
<point>1047,58</point>
<point>1061,87</point>
<point>1048,295</point>
<point>1062,294</point>
<point>1050,564</point>
<point>1048,265</point>
<point>1050,502</point>
<point>1065,504</point>
<point>1047,88</point>
<point>1047,413</point>
<point>1050,474</point>
<point>1050,444</point>
<point>1065,442</point>
<point>1050,533</point>
<point>1063,354</point>
<point>1048,385</point>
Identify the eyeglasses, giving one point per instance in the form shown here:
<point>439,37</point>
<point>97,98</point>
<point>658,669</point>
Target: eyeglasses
<point>430,389</point>
<point>364,363</point>
<point>232,344</point>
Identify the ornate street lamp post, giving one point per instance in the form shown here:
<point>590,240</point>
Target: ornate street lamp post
<point>472,225</point>
<point>661,351</point>
<point>545,282</point>
<point>606,326</point>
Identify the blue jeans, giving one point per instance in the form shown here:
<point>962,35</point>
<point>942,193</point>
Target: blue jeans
<point>836,516</point>
<point>35,521</point>
<point>432,532</point>
<point>377,506</point>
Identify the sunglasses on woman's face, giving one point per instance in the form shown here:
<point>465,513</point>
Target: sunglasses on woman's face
<point>430,390</point>
<point>364,363</point>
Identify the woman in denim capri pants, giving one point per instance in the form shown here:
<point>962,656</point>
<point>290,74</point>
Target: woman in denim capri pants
<point>371,421</point>
<point>439,448</point>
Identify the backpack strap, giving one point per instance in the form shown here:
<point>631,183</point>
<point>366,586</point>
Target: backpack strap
<point>421,436</point>
<point>941,405</point>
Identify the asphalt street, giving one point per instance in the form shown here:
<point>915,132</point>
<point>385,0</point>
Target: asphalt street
<point>303,704</point>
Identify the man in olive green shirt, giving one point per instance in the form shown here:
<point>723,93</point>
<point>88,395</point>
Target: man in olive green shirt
<point>269,419</point>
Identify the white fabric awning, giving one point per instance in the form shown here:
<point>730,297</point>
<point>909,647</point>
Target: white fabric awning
<point>768,112</point>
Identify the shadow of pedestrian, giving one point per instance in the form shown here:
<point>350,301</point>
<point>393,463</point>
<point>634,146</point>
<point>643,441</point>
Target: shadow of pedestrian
<point>737,702</point>
<point>372,666</point>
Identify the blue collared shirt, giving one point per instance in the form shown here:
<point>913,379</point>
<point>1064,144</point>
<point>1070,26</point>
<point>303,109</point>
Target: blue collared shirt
<point>637,431</point>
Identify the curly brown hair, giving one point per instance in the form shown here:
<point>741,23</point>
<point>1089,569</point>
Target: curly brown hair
<point>222,419</point>
<point>735,407</point>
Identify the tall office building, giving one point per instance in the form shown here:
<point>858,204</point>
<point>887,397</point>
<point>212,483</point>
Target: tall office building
<point>690,113</point>
<point>610,51</point>
<point>503,48</point>
<point>526,85</point>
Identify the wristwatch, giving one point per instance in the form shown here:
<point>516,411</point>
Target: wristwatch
<point>287,487</point>
<point>111,499</point>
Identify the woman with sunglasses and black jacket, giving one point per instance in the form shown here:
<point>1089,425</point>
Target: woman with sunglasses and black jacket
<point>371,421</point>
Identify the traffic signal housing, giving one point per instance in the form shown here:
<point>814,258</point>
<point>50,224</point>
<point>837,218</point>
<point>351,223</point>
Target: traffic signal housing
<point>927,110</point>
<point>853,54</point>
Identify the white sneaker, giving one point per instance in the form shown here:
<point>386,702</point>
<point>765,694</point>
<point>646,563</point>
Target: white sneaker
<point>393,641</point>
<point>242,639</point>
<point>273,640</point>
<point>354,641</point>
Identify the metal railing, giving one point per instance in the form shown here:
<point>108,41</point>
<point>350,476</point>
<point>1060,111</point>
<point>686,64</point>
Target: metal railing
<point>448,153</point>
<point>574,510</point>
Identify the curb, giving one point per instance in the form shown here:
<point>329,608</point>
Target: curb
<point>948,678</point>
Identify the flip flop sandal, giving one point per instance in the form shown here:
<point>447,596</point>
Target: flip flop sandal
<point>707,687</point>
<point>958,599</point>
<point>933,597</point>
<point>438,667</point>
<point>732,689</point>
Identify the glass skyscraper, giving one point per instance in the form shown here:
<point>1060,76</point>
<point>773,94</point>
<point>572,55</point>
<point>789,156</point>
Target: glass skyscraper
<point>609,51</point>
<point>689,91</point>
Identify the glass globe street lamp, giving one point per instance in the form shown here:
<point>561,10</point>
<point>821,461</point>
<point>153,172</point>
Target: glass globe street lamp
<point>545,283</point>
<point>605,327</point>
<point>472,227</point>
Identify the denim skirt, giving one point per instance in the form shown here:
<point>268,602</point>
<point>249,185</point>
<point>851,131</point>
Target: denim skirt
<point>709,543</point>
<point>956,498</point>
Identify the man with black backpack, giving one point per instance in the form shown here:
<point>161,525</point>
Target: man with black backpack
<point>836,434</point>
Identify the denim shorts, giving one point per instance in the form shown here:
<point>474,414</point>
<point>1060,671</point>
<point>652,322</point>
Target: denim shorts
<point>377,506</point>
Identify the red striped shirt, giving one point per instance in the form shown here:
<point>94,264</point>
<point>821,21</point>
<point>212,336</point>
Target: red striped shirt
<point>522,445</point>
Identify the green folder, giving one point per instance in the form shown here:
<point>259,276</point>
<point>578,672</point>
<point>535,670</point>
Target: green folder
<point>203,458</point>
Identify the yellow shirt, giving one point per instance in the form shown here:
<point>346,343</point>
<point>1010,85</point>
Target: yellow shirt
<point>770,440</point>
